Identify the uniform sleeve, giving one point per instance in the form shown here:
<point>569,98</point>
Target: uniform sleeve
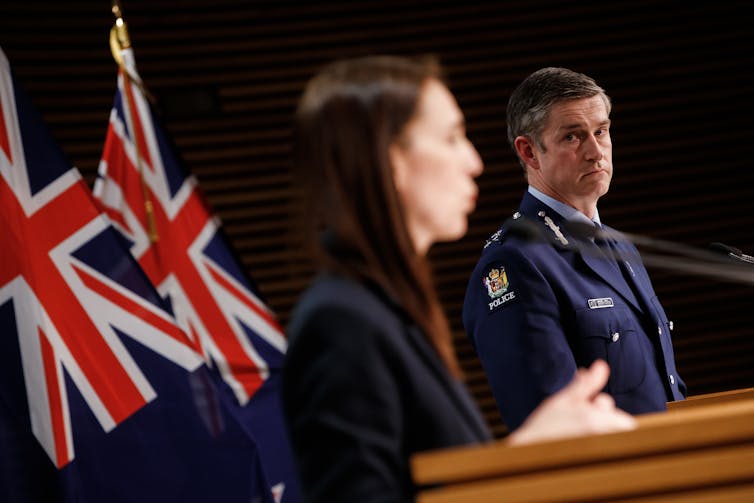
<point>343,409</point>
<point>512,316</point>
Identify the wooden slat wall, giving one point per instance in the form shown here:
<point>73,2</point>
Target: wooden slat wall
<point>227,74</point>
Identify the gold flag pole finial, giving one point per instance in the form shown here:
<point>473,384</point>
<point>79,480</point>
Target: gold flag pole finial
<point>119,38</point>
<point>120,41</point>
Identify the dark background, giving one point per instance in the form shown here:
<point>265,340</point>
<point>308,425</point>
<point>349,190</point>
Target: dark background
<point>227,74</point>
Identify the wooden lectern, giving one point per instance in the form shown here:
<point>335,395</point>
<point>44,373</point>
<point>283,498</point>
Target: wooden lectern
<point>702,451</point>
<point>713,398</point>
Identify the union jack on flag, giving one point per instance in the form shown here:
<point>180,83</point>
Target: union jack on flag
<point>172,232</point>
<point>102,395</point>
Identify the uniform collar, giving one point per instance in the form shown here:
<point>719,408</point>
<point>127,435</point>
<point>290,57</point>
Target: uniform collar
<point>567,212</point>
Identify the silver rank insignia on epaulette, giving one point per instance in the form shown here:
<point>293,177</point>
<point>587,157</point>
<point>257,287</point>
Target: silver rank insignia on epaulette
<point>554,228</point>
<point>495,237</point>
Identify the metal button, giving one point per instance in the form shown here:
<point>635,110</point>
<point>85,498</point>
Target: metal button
<point>672,379</point>
<point>616,336</point>
<point>670,324</point>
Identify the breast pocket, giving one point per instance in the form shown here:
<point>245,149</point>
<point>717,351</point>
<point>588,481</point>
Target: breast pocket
<point>612,334</point>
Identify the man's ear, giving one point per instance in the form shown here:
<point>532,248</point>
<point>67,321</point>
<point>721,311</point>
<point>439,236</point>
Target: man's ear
<point>526,151</point>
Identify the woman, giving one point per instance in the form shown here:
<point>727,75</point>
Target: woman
<point>371,376</point>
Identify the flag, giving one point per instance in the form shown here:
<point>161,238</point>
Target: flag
<point>172,231</point>
<point>102,396</point>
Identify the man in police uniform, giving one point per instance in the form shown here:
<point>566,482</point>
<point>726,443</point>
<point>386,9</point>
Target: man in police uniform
<point>543,302</point>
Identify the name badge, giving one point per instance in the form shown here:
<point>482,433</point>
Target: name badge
<point>600,303</point>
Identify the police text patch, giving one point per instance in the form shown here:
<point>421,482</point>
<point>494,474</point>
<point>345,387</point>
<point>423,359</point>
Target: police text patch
<point>496,283</point>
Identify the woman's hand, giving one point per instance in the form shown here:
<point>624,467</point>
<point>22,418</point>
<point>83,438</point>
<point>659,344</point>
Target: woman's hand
<point>578,409</point>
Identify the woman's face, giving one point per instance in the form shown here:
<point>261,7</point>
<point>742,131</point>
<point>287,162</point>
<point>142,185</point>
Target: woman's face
<point>434,166</point>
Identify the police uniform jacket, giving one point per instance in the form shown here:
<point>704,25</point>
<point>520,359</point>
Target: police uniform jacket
<point>363,390</point>
<point>538,306</point>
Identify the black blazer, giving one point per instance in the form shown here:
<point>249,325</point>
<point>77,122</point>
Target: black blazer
<point>363,390</point>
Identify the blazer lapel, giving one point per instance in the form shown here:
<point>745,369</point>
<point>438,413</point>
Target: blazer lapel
<point>632,263</point>
<point>608,271</point>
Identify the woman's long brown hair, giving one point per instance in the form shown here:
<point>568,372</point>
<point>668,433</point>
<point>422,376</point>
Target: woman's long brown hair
<point>349,116</point>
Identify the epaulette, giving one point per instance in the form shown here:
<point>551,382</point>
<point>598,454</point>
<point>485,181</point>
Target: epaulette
<point>557,233</point>
<point>499,234</point>
<point>494,238</point>
<point>543,231</point>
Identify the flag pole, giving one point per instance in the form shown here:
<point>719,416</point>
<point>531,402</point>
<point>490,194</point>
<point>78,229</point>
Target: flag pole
<point>120,41</point>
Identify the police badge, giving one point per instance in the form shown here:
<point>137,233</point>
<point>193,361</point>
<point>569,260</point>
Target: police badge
<point>496,282</point>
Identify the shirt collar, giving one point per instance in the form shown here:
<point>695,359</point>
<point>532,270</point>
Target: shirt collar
<point>568,212</point>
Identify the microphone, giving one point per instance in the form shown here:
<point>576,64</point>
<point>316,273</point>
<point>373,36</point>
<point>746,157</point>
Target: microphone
<point>526,229</point>
<point>732,252</point>
<point>667,255</point>
<point>530,230</point>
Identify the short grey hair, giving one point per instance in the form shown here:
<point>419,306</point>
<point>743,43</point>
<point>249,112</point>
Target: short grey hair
<point>530,103</point>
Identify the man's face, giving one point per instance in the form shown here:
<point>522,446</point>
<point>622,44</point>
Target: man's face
<point>576,164</point>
